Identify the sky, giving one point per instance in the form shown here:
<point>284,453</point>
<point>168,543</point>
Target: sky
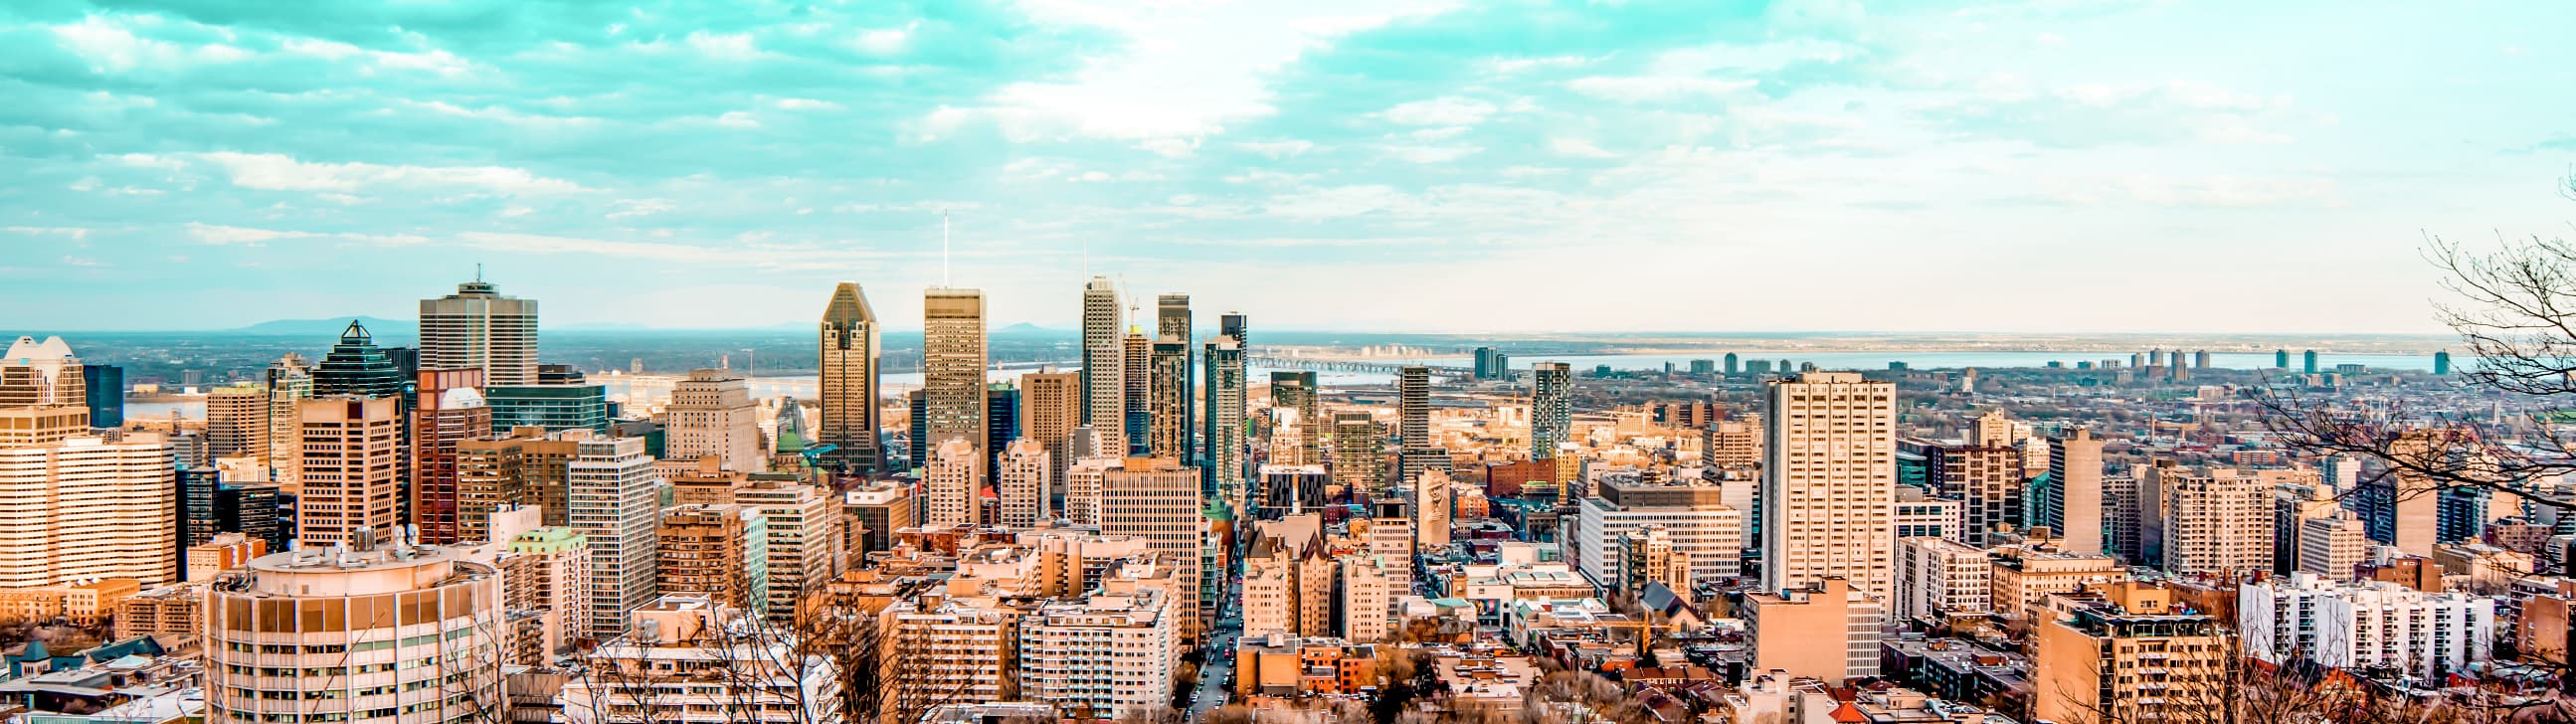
<point>1377,165</point>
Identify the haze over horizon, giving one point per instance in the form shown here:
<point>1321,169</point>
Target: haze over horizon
<point>1414,165</point>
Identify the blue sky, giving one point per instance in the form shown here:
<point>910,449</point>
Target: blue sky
<point>2049,165</point>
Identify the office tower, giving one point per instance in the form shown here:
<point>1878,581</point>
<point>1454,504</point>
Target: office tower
<point>1703,367</point>
<point>849,377</point>
<point>103,386</point>
<point>2364,626</point>
<point>42,374</point>
<point>2206,521</point>
<point>1551,407</point>
<point>197,521</point>
<point>718,551</point>
<point>876,511</point>
<point>2332,545</point>
<point>1157,500</point>
<point>2441,366</point>
<point>614,503</point>
<point>1288,579</point>
<point>2200,359</point>
<point>1291,489</point>
<point>1236,325</point>
<point>2124,506</point>
<point>290,382</point>
<point>477,327</point>
<point>1001,422</point>
<point>2079,665</point>
<point>2403,508</point>
<point>1792,629</point>
<point>1050,410</point>
<point>448,411</point>
<point>712,414</point>
<point>804,537</point>
<point>2309,363</point>
<point>355,366</point>
<point>531,467</point>
<point>1136,355</point>
<point>237,421</point>
<point>1082,487</point>
<point>84,508</point>
<point>350,469</point>
<point>1988,483</point>
<point>1104,361</point>
<point>1225,417</point>
<point>1416,450</point>
<point>952,365</point>
<point>424,620</point>
<point>1172,434</point>
<point>1021,484</point>
<point>250,510</point>
<point>693,655</point>
<point>1108,653</point>
<point>1694,517</point>
<point>949,485</point>
<point>1484,367</point>
<point>1829,482</point>
<point>1938,576</point>
<point>562,399</point>
<point>1298,392</point>
<point>1359,456</point>
<point>917,431</point>
<point>2074,509</point>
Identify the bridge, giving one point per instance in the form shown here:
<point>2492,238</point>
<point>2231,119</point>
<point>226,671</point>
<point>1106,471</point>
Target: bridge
<point>1360,366</point>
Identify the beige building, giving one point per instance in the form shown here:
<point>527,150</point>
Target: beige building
<point>693,660</point>
<point>615,493</point>
<point>936,649</point>
<point>803,537</point>
<point>952,366</point>
<point>2025,577</point>
<point>529,467</point>
<point>2209,521</point>
<point>1157,500</point>
<point>85,508</point>
<point>1733,444</point>
<point>1110,654</point>
<point>2106,664</point>
<point>478,328</point>
<point>950,483</point>
<point>1794,630</point>
<point>2074,509</point>
<point>164,611</point>
<point>1359,444</point>
<point>848,381</point>
<point>1021,484</point>
<point>404,636</point>
<point>712,413</point>
<point>1829,482</point>
<point>1938,576</point>
<point>1368,594</point>
<point>546,574</point>
<point>1050,410</point>
<point>1104,362</point>
<point>237,421</point>
<point>2332,547</point>
<point>351,469</point>
<point>702,550</point>
<point>1288,579</point>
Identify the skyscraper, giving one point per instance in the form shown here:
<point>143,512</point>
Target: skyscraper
<point>1298,391</point>
<point>1829,482</point>
<point>1137,358</point>
<point>1416,451</point>
<point>1104,362</point>
<point>477,327</point>
<point>950,484</point>
<point>615,503</point>
<point>2074,507</point>
<point>1158,501</point>
<point>952,365</point>
<point>1225,391</point>
<point>356,366</point>
<point>712,414</point>
<point>562,399</point>
<point>1174,428</point>
<point>1551,407</point>
<point>849,382</point>
<point>290,381</point>
<point>2281,358</point>
<point>449,411</point>
<point>104,388</point>
<point>350,467</point>
<point>1001,422</point>
<point>2441,366</point>
<point>2310,364</point>
<point>84,508</point>
<point>1732,366</point>
<point>1050,410</point>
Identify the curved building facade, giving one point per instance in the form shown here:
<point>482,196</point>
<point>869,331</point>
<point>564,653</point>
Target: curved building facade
<point>394,635</point>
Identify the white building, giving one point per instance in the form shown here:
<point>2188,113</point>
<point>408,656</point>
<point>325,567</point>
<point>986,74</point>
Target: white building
<point>478,328</point>
<point>379,635</point>
<point>1938,575</point>
<point>86,508</point>
<point>615,498</point>
<point>2366,624</point>
<point>2206,521</point>
<point>1109,654</point>
<point>949,483</point>
<point>1022,483</point>
<point>1829,482</point>
<point>690,660</point>
<point>1082,482</point>
<point>801,530</point>
<point>1712,535</point>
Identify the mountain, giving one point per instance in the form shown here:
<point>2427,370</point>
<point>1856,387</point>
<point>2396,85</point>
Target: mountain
<point>330,327</point>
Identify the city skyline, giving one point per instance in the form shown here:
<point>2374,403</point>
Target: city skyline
<point>1669,158</point>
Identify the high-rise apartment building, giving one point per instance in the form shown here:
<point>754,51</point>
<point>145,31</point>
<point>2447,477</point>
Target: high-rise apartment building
<point>2074,507</point>
<point>712,414</point>
<point>876,511</point>
<point>1137,374</point>
<point>1939,576</point>
<point>1021,484</point>
<point>2082,666</point>
<point>1829,482</point>
<point>1174,423</point>
<point>848,380</point>
<point>2206,521</point>
<point>952,366</point>
<point>934,649</point>
<point>950,484</point>
<point>1359,456</point>
<point>350,468</point>
<point>424,627</point>
<point>447,410</point>
<point>1987,481</point>
<point>1298,393</point>
<point>1288,577</point>
<point>1551,407</point>
<point>1110,654</point>
<point>804,537</point>
<point>1416,450</point>
<point>1794,629</point>
<point>2402,506</point>
<point>290,382</point>
<point>681,642</point>
<point>531,466</point>
<point>1158,500</point>
<point>84,508</point>
<point>477,327</point>
<point>1694,518</point>
<point>1104,361</point>
<point>717,551</point>
<point>1225,388</point>
<point>1050,410</point>
<point>615,504</point>
<point>2364,625</point>
<point>2332,546</point>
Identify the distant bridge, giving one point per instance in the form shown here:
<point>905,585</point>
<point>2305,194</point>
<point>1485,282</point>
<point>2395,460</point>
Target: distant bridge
<point>1334,365</point>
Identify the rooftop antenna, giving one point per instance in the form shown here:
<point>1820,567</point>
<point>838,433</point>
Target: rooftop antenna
<point>943,247</point>
<point>478,272</point>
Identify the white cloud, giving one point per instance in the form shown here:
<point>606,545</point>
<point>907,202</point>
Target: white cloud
<point>1431,154</point>
<point>218,234</point>
<point>629,208</point>
<point>729,46</point>
<point>278,172</point>
<point>73,232</point>
<point>738,119</point>
<point>1655,88</point>
<point>1579,148</point>
<point>1277,149</point>
<point>806,104</point>
<point>1170,147</point>
<point>1445,111</point>
<point>883,41</point>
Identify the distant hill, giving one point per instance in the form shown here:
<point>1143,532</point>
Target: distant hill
<point>330,328</point>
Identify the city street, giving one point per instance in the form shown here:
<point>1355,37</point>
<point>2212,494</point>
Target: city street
<point>1216,674</point>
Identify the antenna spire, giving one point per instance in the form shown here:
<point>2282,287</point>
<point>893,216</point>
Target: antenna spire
<point>943,247</point>
<point>478,272</point>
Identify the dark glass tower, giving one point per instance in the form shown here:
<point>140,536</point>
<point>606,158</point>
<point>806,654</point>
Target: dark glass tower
<point>104,388</point>
<point>356,366</point>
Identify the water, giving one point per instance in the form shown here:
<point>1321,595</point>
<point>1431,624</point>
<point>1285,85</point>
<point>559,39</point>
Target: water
<point>1931,360</point>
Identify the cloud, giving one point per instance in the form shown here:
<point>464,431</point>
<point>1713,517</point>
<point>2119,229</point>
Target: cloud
<point>1447,111</point>
<point>278,172</point>
<point>1656,88</point>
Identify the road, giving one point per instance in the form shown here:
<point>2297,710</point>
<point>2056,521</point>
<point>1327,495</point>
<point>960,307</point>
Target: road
<point>1217,673</point>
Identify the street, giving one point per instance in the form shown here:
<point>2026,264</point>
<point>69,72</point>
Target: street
<point>1216,673</point>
